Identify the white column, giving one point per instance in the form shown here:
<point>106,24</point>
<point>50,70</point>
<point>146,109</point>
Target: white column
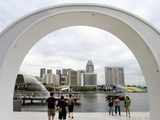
<point>154,95</point>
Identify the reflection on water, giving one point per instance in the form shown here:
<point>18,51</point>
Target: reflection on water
<point>95,102</point>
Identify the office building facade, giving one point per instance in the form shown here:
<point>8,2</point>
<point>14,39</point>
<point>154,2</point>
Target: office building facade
<point>90,78</point>
<point>49,79</point>
<point>89,67</point>
<point>114,76</point>
<point>80,77</point>
<point>72,77</point>
<point>43,75</point>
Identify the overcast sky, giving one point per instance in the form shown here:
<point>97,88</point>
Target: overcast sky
<point>72,47</point>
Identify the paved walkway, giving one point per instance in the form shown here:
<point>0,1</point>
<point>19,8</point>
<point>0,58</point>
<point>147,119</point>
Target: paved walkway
<point>82,116</point>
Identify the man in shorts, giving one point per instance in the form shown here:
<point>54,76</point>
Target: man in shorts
<point>70,106</point>
<point>62,104</point>
<point>51,107</point>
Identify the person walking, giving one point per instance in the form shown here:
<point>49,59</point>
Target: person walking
<point>70,106</point>
<point>117,106</point>
<point>127,103</point>
<point>51,107</point>
<point>110,105</point>
<point>62,104</point>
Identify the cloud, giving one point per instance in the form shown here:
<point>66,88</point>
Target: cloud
<point>72,47</point>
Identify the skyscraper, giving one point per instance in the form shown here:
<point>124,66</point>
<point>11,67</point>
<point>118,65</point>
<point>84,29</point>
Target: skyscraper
<point>80,77</point>
<point>58,76</point>
<point>114,76</point>
<point>57,81</point>
<point>72,75</point>
<point>65,71</point>
<point>42,72</point>
<point>54,80</point>
<point>58,71</point>
<point>63,80</point>
<point>49,76</point>
<point>90,78</point>
<point>65,74</point>
<point>89,67</point>
<point>43,75</point>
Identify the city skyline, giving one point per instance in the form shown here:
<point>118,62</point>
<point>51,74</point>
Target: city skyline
<point>103,48</point>
<point>64,71</point>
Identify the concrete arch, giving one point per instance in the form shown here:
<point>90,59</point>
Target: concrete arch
<point>141,38</point>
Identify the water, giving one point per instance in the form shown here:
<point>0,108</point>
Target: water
<point>95,102</point>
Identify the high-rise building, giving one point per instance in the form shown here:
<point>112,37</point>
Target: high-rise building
<point>80,77</point>
<point>90,78</point>
<point>42,72</point>
<point>89,67</point>
<point>49,76</point>
<point>58,72</point>
<point>63,80</point>
<point>49,71</point>
<point>65,71</point>
<point>114,76</point>
<point>53,79</point>
<point>57,82</point>
<point>58,76</point>
<point>43,75</point>
<point>72,75</point>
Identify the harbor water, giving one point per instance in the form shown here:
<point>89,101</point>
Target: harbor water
<point>95,102</point>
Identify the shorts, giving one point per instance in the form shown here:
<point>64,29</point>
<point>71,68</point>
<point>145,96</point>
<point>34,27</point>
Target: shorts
<point>70,108</point>
<point>62,115</point>
<point>51,112</point>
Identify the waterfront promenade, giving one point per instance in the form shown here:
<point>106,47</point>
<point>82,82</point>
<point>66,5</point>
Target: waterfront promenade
<point>82,116</point>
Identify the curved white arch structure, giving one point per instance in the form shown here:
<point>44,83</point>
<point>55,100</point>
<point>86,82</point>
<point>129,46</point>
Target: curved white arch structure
<point>141,38</point>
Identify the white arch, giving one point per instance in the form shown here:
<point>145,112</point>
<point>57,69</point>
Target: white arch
<point>17,39</point>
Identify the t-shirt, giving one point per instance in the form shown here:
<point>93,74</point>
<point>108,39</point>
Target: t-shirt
<point>127,102</point>
<point>51,102</point>
<point>62,104</point>
<point>117,102</point>
<point>70,101</point>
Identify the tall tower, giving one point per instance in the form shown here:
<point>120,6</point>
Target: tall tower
<point>59,76</point>
<point>114,76</point>
<point>80,77</point>
<point>89,67</point>
<point>73,81</point>
<point>42,72</point>
<point>49,76</point>
<point>90,78</point>
<point>43,75</point>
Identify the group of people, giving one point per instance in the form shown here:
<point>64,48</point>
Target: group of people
<point>61,106</point>
<point>115,104</point>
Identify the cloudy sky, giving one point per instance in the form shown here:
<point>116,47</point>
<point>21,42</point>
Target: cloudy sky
<point>72,47</point>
